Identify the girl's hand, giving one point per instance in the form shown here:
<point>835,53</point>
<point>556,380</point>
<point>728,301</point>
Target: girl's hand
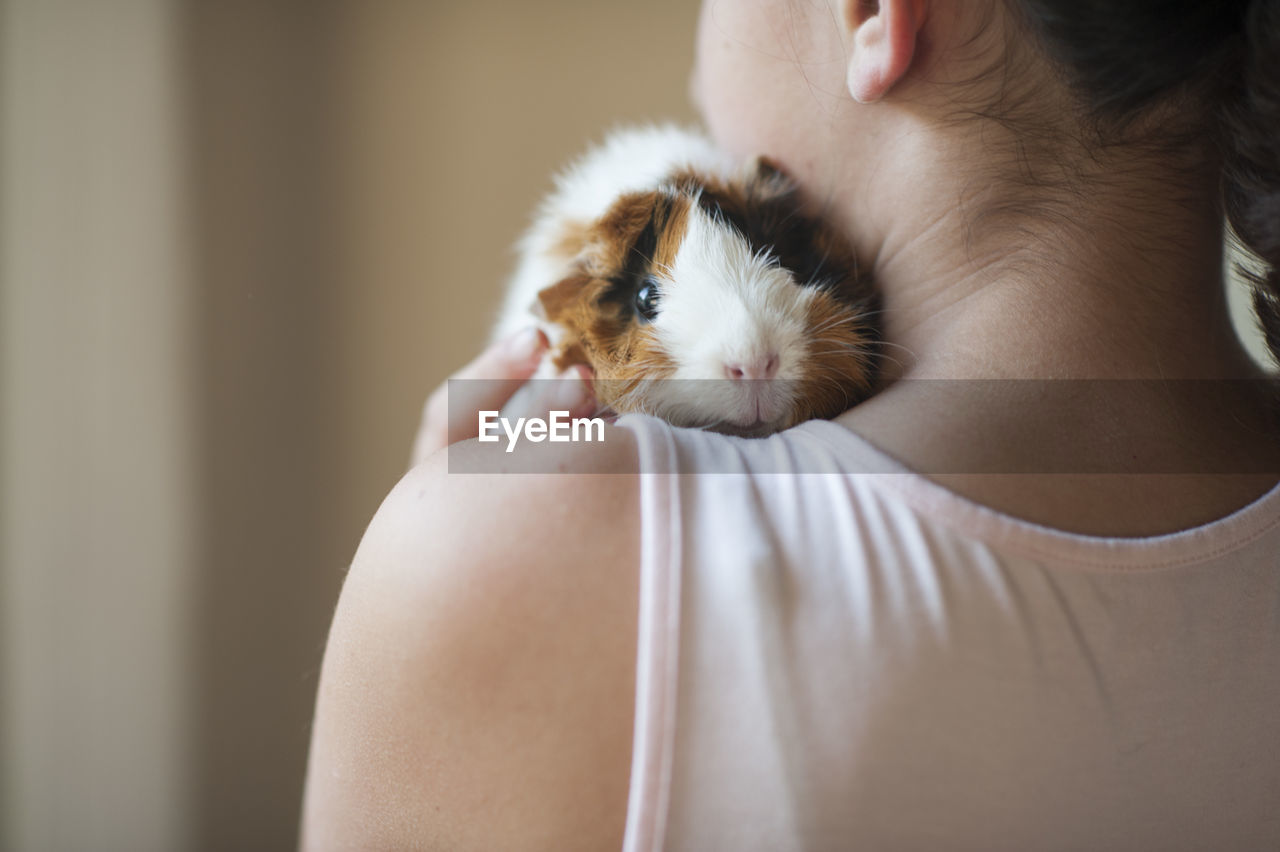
<point>494,381</point>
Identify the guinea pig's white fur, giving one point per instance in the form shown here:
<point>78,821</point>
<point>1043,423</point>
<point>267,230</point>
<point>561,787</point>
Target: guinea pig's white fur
<point>738,340</point>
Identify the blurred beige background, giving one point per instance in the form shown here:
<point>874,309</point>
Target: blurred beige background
<point>239,241</point>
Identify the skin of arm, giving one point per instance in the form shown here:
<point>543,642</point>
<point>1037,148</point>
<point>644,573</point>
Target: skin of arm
<point>477,690</point>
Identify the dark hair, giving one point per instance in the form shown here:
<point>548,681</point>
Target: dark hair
<point>1220,59</point>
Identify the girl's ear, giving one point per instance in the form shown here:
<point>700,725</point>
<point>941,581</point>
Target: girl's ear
<point>883,35</point>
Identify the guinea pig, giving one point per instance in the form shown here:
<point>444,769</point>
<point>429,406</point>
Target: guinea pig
<point>697,290</point>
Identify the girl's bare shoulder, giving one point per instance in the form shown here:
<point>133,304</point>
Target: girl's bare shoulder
<point>478,683</point>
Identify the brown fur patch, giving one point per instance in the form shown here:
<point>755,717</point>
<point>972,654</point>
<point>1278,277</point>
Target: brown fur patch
<point>840,370</point>
<point>639,236</point>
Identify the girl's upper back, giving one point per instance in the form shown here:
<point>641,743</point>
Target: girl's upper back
<point>837,653</point>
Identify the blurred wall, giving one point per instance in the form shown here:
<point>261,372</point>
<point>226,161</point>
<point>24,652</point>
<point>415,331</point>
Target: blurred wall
<point>260,117</point>
<point>97,469</point>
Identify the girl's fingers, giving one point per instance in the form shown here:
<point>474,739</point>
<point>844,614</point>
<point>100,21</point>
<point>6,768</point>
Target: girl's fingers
<point>570,391</point>
<point>512,359</point>
<point>484,384</point>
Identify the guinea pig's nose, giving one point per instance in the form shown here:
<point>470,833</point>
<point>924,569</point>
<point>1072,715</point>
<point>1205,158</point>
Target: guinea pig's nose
<point>764,367</point>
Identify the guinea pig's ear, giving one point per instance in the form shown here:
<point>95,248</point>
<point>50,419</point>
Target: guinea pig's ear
<point>559,300</point>
<point>766,168</point>
<point>767,179</point>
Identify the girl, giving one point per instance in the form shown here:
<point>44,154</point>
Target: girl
<point>1030,602</point>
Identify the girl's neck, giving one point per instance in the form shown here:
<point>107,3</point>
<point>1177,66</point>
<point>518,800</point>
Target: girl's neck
<point>1101,269</point>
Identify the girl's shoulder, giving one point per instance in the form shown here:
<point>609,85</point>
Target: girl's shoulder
<point>478,684</point>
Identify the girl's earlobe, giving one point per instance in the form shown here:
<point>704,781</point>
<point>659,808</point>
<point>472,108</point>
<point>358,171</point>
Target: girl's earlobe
<point>882,36</point>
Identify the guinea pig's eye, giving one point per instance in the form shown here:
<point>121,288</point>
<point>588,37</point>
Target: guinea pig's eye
<point>647,300</point>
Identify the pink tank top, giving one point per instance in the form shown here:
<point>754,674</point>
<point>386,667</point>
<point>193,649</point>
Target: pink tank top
<point>852,657</point>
